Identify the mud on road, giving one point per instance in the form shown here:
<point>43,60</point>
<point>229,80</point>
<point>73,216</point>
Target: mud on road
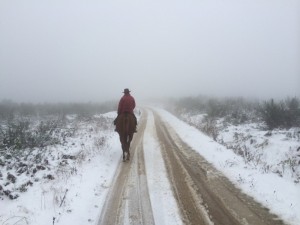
<point>204,196</point>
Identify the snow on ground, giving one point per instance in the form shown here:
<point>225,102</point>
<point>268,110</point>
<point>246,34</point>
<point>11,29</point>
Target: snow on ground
<point>165,210</point>
<point>86,185</point>
<point>77,192</point>
<point>279,194</point>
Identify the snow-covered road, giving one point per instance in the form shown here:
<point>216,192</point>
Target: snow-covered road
<point>141,193</point>
<point>183,187</point>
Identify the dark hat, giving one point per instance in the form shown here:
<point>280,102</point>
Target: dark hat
<point>126,90</point>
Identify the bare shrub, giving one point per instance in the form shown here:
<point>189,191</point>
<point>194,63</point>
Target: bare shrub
<point>100,142</point>
<point>282,114</point>
<point>209,126</point>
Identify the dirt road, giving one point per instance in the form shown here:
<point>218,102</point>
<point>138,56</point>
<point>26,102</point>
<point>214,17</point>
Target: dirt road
<point>203,194</point>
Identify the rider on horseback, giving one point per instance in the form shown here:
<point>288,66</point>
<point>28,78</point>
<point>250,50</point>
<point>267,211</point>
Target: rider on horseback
<point>126,105</point>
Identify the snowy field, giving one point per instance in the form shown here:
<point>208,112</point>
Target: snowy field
<point>71,187</point>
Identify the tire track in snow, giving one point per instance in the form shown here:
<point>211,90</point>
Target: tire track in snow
<point>164,205</point>
<point>128,199</point>
<point>204,195</point>
<point>189,201</point>
<point>137,203</point>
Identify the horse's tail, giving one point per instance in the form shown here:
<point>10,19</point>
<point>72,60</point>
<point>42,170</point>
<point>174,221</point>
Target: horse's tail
<point>126,125</point>
<point>129,123</point>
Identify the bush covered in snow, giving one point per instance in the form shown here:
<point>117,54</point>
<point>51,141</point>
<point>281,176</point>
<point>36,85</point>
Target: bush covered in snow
<point>36,148</point>
<point>273,114</point>
<point>266,134</point>
<point>281,114</point>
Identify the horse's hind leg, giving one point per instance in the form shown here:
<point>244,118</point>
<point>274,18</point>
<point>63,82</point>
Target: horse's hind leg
<point>128,146</point>
<point>128,155</point>
<point>124,151</point>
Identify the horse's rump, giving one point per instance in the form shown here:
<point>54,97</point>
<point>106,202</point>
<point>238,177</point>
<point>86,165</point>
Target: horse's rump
<point>125,124</point>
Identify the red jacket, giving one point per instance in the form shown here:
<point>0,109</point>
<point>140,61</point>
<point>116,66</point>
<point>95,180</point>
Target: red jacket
<point>126,104</point>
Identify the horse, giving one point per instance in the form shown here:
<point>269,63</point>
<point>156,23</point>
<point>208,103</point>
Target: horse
<point>125,126</point>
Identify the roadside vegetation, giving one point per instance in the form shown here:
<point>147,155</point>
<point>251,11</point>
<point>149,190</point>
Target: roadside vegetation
<point>265,133</point>
<point>39,142</point>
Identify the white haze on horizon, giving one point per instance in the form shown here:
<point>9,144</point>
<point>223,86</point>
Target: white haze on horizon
<point>63,50</point>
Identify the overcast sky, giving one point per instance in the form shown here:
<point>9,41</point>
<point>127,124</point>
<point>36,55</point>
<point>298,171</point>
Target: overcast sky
<point>88,50</point>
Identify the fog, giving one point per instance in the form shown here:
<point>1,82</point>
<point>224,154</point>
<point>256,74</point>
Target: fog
<point>72,50</point>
